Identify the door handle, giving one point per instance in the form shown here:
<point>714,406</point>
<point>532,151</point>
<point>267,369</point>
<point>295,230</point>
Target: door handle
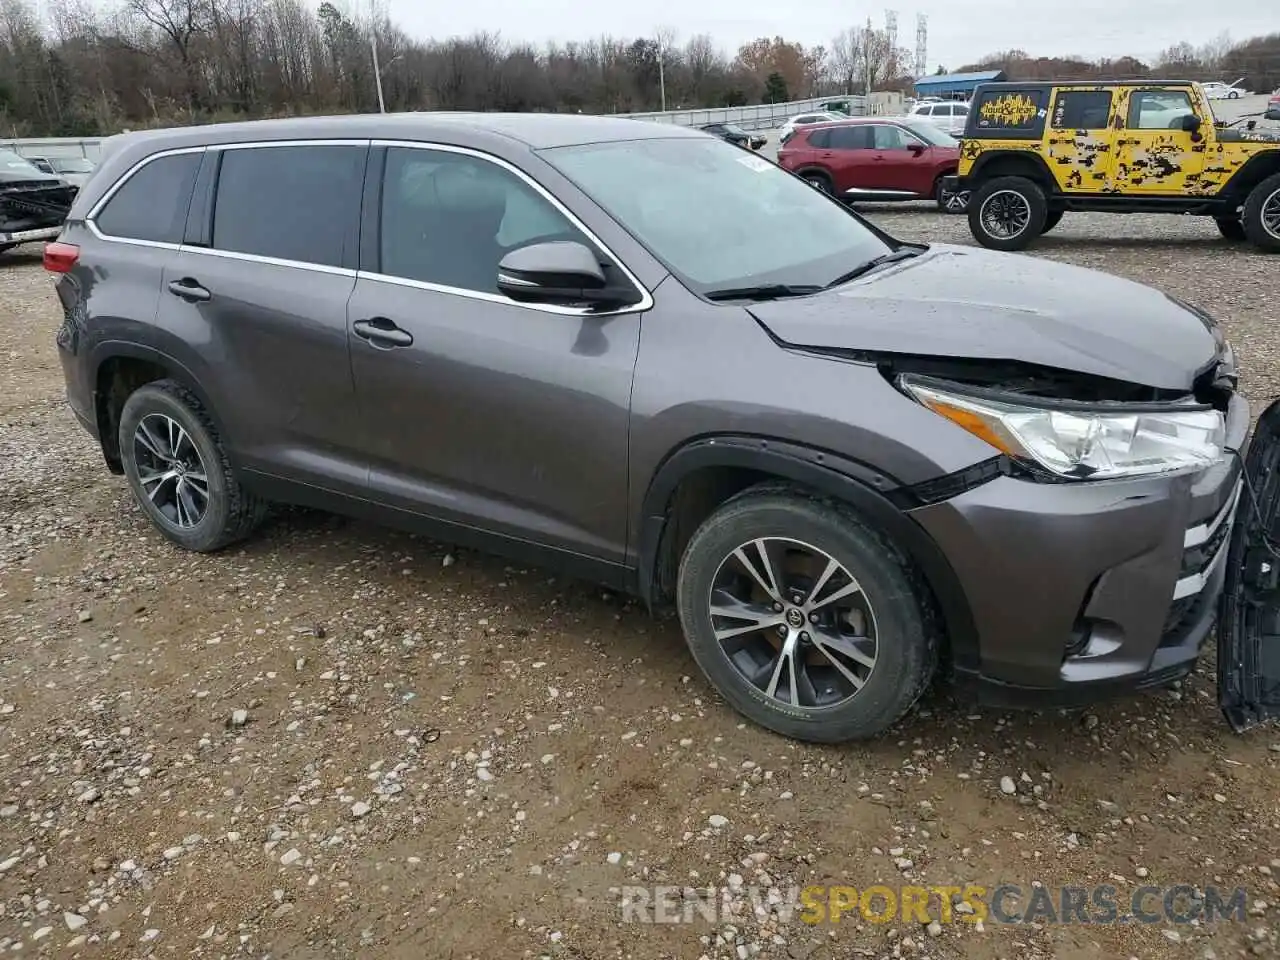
<point>190,290</point>
<point>381,332</point>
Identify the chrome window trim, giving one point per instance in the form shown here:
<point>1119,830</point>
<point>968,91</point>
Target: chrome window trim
<point>90,218</point>
<point>646,299</point>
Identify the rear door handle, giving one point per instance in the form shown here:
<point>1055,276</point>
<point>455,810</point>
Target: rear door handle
<point>382,332</point>
<point>189,289</point>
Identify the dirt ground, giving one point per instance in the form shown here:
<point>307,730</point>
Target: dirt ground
<point>337,740</point>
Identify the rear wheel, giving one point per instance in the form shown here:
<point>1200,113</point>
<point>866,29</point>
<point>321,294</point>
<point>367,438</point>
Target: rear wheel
<point>819,181</point>
<point>1007,213</point>
<point>951,201</point>
<point>805,619</point>
<point>178,470</point>
<point>1261,216</point>
<point>1230,227</point>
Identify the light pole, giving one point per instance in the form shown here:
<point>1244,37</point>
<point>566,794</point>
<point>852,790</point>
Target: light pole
<point>377,73</point>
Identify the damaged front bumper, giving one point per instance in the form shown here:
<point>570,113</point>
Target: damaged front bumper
<point>1079,591</point>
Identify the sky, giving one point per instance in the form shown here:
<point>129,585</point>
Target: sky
<point>960,31</point>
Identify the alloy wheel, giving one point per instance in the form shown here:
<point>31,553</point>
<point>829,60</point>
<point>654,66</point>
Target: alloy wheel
<point>955,201</point>
<point>794,623</point>
<point>170,470</point>
<point>1271,215</point>
<point>818,183</point>
<point>1005,214</point>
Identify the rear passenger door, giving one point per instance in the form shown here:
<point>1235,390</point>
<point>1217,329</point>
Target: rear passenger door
<point>852,156</point>
<point>480,411</point>
<point>262,284</point>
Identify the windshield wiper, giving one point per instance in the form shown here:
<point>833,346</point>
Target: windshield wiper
<point>764,291</point>
<point>902,253</point>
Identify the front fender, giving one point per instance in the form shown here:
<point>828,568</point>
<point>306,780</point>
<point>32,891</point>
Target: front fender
<point>880,498</point>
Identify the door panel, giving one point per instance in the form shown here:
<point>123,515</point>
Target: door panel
<point>264,289</point>
<point>283,375</point>
<point>1081,138</point>
<point>501,416</point>
<point>1152,156</point>
<point>1249,611</point>
<point>894,166</point>
<point>850,157</point>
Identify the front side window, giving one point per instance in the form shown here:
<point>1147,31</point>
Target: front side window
<point>1158,109</point>
<point>449,218</point>
<point>152,204</point>
<point>289,202</point>
<point>717,217</point>
<point>889,137</point>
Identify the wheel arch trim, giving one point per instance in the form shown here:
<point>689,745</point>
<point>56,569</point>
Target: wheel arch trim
<point>861,486</point>
<point>107,350</point>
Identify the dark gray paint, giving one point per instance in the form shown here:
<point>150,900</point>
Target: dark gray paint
<point>548,430</point>
<point>965,302</point>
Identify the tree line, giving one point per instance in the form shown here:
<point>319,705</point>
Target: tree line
<point>85,70</point>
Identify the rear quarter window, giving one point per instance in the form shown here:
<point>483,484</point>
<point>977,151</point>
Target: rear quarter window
<point>152,203</point>
<point>1010,113</point>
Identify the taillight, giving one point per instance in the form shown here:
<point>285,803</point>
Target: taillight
<point>60,257</point>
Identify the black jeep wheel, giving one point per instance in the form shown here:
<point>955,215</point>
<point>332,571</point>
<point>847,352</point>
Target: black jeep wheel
<point>1230,227</point>
<point>1008,213</point>
<point>805,619</point>
<point>178,470</point>
<point>1261,216</point>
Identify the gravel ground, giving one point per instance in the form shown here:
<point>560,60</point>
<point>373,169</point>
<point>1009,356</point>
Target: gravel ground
<point>338,740</point>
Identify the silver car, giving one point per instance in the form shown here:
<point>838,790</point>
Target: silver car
<point>950,116</point>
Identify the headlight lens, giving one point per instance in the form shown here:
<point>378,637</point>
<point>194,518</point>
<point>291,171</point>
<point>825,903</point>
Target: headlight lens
<point>1083,443</point>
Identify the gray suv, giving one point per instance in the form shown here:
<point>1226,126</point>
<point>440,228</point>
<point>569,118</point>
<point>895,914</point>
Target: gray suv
<point>639,355</point>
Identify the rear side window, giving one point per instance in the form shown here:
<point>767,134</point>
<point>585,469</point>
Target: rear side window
<point>1082,110</point>
<point>820,138</point>
<point>296,203</point>
<point>851,138</point>
<point>152,204</point>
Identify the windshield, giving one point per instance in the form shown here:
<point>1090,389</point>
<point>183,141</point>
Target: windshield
<point>12,163</point>
<point>931,133</point>
<point>719,217</point>
<point>71,165</point>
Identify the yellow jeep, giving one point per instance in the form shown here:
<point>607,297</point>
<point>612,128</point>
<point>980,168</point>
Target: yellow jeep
<point>1033,151</point>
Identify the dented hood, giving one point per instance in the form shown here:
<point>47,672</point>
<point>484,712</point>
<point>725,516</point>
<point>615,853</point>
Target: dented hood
<point>954,301</point>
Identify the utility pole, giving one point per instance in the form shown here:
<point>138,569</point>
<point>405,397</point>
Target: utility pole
<point>866,55</point>
<point>373,46</point>
<point>663,37</point>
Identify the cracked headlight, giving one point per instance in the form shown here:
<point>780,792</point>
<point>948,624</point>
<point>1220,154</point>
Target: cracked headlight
<point>1077,440</point>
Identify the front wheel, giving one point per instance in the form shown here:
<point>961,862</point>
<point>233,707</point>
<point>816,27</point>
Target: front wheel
<point>178,470</point>
<point>1008,213</point>
<point>805,619</point>
<point>1261,215</point>
<point>1053,218</point>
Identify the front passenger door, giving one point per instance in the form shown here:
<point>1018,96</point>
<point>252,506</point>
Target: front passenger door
<point>478,410</point>
<point>1154,154</point>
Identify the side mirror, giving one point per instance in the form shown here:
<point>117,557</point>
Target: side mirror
<point>916,148</point>
<point>560,271</point>
<point>1189,122</point>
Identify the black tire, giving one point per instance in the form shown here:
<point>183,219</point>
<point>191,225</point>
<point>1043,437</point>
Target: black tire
<point>1231,228</point>
<point>231,512</point>
<point>944,199</point>
<point>904,621</point>
<point>1028,191</point>
<point>819,181</point>
<point>1053,218</point>
<point>1261,208</point>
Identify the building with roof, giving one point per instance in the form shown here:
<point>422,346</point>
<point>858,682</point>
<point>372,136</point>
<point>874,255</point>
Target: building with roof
<point>956,86</point>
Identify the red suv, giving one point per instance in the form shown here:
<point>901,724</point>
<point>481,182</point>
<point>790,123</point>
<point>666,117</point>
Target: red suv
<point>1273,107</point>
<point>876,158</point>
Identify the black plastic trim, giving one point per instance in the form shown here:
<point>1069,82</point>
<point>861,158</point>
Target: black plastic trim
<point>866,489</point>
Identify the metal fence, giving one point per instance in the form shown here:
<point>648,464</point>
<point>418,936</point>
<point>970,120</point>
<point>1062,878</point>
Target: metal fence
<point>762,116</point>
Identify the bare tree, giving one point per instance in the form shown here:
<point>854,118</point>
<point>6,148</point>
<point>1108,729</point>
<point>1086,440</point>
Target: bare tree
<point>181,21</point>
